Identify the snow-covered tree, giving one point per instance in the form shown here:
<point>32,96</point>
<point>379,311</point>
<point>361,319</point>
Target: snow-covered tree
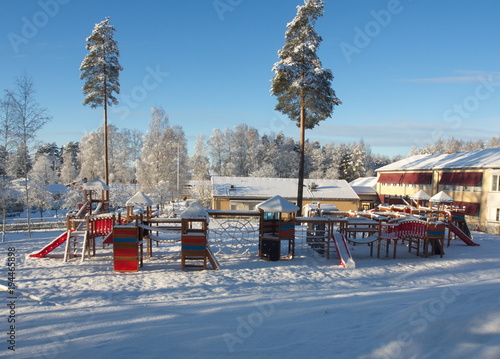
<point>71,198</point>
<point>219,152</point>
<point>265,170</point>
<point>493,142</point>
<point>90,156</point>
<point>101,71</point>
<point>44,171</point>
<point>41,199</point>
<point>68,169</point>
<point>121,162</point>
<point>301,84</point>
<point>243,142</point>
<point>29,117</point>
<point>359,155</point>
<point>201,191</point>
<point>120,193</point>
<point>52,150</point>
<point>318,161</point>
<point>120,157</point>
<point>199,162</point>
<point>6,145</point>
<point>163,166</point>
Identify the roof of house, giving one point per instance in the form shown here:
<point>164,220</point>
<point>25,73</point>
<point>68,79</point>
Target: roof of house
<point>364,186</point>
<point>364,182</point>
<point>263,188</point>
<point>478,159</point>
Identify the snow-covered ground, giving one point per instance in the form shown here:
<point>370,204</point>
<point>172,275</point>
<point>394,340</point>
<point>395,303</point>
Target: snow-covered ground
<point>307,307</point>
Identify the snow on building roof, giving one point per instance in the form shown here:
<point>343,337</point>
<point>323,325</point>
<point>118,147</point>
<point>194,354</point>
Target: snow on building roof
<point>139,199</point>
<point>57,188</point>
<point>364,186</point>
<point>364,182</point>
<point>259,188</point>
<point>277,204</point>
<point>487,158</point>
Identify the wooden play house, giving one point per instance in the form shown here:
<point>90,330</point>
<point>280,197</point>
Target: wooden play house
<point>195,250</point>
<point>277,224</point>
<point>96,204</point>
<point>145,205</point>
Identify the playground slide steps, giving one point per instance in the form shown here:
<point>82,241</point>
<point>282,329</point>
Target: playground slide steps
<point>76,245</point>
<point>460,234</point>
<point>51,246</point>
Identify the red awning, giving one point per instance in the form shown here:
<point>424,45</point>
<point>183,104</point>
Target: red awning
<point>461,178</point>
<point>471,209</point>
<point>390,178</point>
<point>417,178</point>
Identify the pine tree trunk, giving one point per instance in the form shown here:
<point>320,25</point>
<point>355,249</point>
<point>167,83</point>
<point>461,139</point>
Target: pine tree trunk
<point>106,168</point>
<point>300,189</point>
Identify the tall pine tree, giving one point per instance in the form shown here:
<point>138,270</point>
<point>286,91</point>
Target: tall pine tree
<point>301,85</point>
<point>101,72</point>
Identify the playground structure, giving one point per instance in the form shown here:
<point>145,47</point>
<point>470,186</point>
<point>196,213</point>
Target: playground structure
<point>84,226</point>
<point>273,228</point>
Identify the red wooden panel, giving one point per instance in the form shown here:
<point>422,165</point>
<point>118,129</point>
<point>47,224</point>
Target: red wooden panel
<point>125,252</point>
<point>125,232</point>
<point>194,240</point>
<point>126,265</point>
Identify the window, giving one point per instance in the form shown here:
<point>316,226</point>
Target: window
<point>497,218</point>
<point>494,183</point>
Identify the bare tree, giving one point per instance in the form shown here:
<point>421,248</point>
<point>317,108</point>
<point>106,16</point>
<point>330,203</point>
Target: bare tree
<point>6,122</point>
<point>28,118</point>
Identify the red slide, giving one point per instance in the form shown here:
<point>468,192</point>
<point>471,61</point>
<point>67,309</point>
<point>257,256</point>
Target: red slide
<point>51,246</point>
<point>460,234</point>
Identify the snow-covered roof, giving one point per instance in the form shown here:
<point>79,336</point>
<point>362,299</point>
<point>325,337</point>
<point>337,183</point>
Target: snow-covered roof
<point>57,188</point>
<point>420,196</point>
<point>478,159</point>
<point>441,197</point>
<point>364,186</point>
<point>261,188</point>
<point>194,211</point>
<point>277,204</point>
<point>364,182</point>
<point>139,199</point>
<point>96,184</point>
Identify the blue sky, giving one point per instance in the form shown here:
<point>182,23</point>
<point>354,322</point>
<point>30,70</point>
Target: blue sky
<point>407,72</point>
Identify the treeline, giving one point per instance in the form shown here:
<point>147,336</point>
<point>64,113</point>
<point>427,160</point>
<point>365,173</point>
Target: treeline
<point>161,155</point>
<point>158,162</point>
<point>453,145</point>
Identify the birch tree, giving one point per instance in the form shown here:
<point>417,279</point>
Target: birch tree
<point>199,162</point>
<point>162,170</point>
<point>29,117</point>
<point>6,144</point>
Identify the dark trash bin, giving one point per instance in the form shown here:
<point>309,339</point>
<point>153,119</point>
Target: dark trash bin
<point>270,250</point>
